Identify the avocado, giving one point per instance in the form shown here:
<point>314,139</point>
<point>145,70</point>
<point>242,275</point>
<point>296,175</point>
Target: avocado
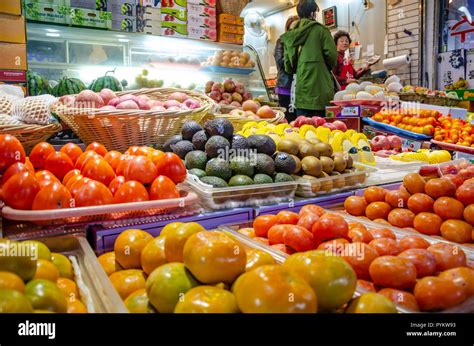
<point>197,172</point>
<point>288,146</point>
<point>308,149</point>
<point>196,159</point>
<point>189,129</point>
<point>311,166</point>
<point>168,146</point>
<point>217,146</point>
<point>219,168</point>
<point>324,149</point>
<point>183,148</point>
<point>282,177</point>
<point>214,181</point>
<point>240,143</point>
<point>262,179</point>
<point>263,144</point>
<point>298,164</point>
<point>199,140</point>
<point>219,127</point>
<point>264,165</point>
<point>240,180</point>
<point>285,163</point>
<point>328,164</point>
<point>241,166</point>
<point>340,163</point>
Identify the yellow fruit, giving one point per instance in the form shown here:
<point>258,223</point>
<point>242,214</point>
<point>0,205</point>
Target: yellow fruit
<point>76,307</point>
<point>63,264</point>
<point>108,263</point>
<point>11,281</point>
<point>207,299</point>
<point>18,259</point>
<point>128,281</point>
<point>175,240</point>
<point>45,295</point>
<point>38,247</point>
<point>128,247</point>
<point>153,254</point>
<point>12,301</point>
<point>68,288</point>
<point>46,270</point>
<point>257,258</point>
<point>169,227</point>
<point>138,303</point>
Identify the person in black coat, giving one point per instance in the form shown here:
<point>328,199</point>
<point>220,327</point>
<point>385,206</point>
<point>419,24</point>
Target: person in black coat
<point>284,80</point>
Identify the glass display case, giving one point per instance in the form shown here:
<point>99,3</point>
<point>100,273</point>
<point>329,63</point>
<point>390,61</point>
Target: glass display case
<point>56,51</point>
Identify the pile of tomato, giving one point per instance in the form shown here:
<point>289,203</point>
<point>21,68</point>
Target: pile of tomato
<point>409,271</point>
<point>71,177</point>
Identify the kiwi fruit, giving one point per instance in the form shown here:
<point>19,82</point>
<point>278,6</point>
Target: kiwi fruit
<point>311,166</point>
<point>349,161</point>
<point>288,146</point>
<point>324,149</point>
<point>298,164</point>
<point>308,149</point>
<point>353,180</point>
<point>328,164</point>
<point>315,184</point>
<point>339,163</point>
<point>338,183</point>
<point>327,184</point>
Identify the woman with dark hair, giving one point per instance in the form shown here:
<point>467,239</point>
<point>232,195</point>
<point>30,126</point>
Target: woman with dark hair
<point>311,54</point>
<point>284,80</point>
<point>344,69</point>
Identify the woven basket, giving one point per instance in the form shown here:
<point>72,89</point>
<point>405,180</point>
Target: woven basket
<point>233,7</point>
<point>30,135</point>
<point>121,129</point>
<point>239,123</point>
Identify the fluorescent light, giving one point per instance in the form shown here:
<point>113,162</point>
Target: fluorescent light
<point>122,40</point>
<point>50,34</point>
<point>120,36</point>
<point>52,30</point>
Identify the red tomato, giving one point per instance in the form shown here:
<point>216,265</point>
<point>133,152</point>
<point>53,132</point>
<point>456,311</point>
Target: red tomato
<point>360,235</point>
<point>58,164</point>
<point>448,208</point>
<point>386,246</point>
<point>366,285</point>
<point>93,193</point>
<point>98,148</point>
<point>299,239</point>
<point>423,260</point>
<point>360,256</point>
<point>99,170</point>
<point>276,232</point>
<point>52,196</point>
<point>116,183</point>
<point>307,220</point>
<point>463,277</point>
<point>393,272</point>
<point>72,150</point>
<point>428,223</point>
<point>70,174</point>
<point>420,203</point>
<point>330,226</point>
<point>263,223</point>
<point>141,169</point>
<point>139,151</point>
<point>401,218</point>
<point>355,205</point>
<point>40,153</point>
<point>163,188</point>
<point>402,298</point>
<point>122,164</point>
<point>155,156</point>
<point>413,242</point>
<point>374,194</point>
<point>29,164</point>
<point>382,233</point>
<point>172,167</point>
<point>85,156</point>
<point>45,177</point>
<point>378,210</point>
<point>435,293</point>
<point>17,167</point>
<point>20,190</point>
<point>113,158</point>
<point>131,191</point>
<point>73,179</point>
<point>75,186</point>
<point>447,256</point>
<point>311,208</point>
<point>287,218</point>
<point>336,246</point>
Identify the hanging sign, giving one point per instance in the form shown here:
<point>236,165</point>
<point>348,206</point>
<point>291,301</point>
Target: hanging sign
<point>462,28</point>
<point>330,17</point>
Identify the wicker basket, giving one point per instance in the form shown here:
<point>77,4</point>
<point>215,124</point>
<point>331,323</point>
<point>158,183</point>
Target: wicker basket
<point>239,122</point>
<point>30,135</point>
<point>233,7</point>
<point>121,129</point>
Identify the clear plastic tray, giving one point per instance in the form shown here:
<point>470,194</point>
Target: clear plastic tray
<point>94,286</point>
<point>331,184</point>
<point>241,196</point>
<point>103,212</point>
<point>280,257</point>
<point>391,171</point>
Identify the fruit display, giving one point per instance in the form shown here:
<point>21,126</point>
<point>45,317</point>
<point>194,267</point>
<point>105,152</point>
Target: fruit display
<point>406,269</point>
<point>230,93</point>
<point>428,96</point>
<point>68,86</point>
<point>37,280</point>
<point>454,131</point>
<point>421,121</point>
<point>70,178</point>
<point>190,270</point>
<point>387,92</point>
<point>423,155</point>
<point>386,145</point>
<point>228,58</point>
<point>460,84</point>
<point>439,207</point>
<point>143,81</point>
<point>37,84</point>
<point>106,82</point>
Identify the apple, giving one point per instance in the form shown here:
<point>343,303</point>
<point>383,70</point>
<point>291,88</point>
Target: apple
<point>192,103</point>
<point>178,96</point>
<point>380,143</point>
<point>215,95</point>
<point>250,105</point>
<point>318,121</point>
<point>329,126</point>
<point>209,85</point>
<point>171,103</point>
<point>340,125</point>
<point>266,112</point>
<point>250,114</point>
<point>395,142</point>
<point>238,113</point>
<point>239,88</point>
<point>457,180</point>
<point>302,120</point>
<point>229,86</point>
<point>218,87</point>
<point>236,104</point>
<point>449,169</point>
<point>227,97</point>
<point>224,102</point>
<point>237,97</point>
<point>429,171</point>
<point>246,96</point>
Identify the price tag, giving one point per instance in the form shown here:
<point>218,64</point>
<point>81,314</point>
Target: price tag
<point>460,155</point>
<point>410,145</point>
<point>350,111</point>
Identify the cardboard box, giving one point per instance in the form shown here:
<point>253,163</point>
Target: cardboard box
<point>123,7</point>
<point>174,29</point>
<point>226,18</point>
<point>151,28</point>
<point>352,123</point>
<point>231,29</point>
<point>90,18</point>
<point>202,11</point>
<point>207,3</point>
<point>174,15</point>
<point>11,7</point>
<point>208,34</point>
<point>12,29</point>
<point>151,3</point>
<point>13,56</point>
<point>202,22</point>
<point>351,111</point>
<point>98,5</point>
<point>124,23</point>
<point>230,38</point>
<point>179,4</point>
<point>47,13</point>
<point>51,2</point>
<point>148,13</point>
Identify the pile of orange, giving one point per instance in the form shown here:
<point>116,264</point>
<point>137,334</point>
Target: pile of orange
<point>454,131</point>
<point>421,122</point>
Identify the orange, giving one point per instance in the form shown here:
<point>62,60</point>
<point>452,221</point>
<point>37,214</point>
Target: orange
<point>128,247</point>
<point>128,281</point>
<point>371,303</point>
<point>76,307</point>
<point>257,258</point>
<point>108,263</point>
<point>11,281</point>
<point>169,227</point>
<point>207,299</point>
<point>63,264</point>
<point>45,295</point>
<point>46,270</point>
<point>69,289</point>
<point>138,303</point>
<point>177,237</point>
<point>153,255</point>
<point>12,301</point>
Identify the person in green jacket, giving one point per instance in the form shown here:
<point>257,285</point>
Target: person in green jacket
<point>311,54</point>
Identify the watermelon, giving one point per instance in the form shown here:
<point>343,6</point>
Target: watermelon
<point>68,86</point>
<point>37,84</point>
<point>109,82</point>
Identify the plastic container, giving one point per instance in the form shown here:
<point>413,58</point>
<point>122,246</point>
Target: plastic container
<point>103,212</point>
<point>449,146</point>
<point>449,167</point>
<point>332,184</point>
<point>241,196</point>
<point>95,288</point>
<point>396,130</point>
<point>228,70</point>
<point>391,171</point>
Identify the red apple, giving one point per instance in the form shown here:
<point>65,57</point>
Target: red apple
<point>380,143</point>
<point>395,142</point>
<point>318,121</point>
<point>229,86</point>
<point>340,125</point>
